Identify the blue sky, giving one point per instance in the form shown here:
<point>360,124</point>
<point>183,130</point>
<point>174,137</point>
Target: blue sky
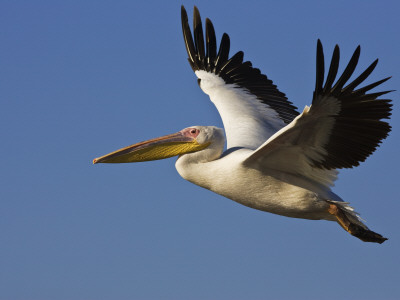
<point>82,78</point>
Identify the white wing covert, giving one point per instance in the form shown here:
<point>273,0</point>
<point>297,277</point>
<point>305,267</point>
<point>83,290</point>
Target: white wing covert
<point>341,128</point>
<point>251,107</point>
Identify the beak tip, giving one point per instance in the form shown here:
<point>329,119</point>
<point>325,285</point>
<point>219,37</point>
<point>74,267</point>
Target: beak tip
<point>95,161</point>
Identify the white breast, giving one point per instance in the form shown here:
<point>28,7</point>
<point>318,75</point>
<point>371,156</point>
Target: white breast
<point>265,190</point>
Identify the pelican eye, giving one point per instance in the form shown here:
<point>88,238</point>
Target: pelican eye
<point>191,132</point>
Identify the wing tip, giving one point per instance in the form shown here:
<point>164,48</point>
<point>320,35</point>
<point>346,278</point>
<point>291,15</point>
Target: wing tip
<point>202,51</point>
<point>360,128</point>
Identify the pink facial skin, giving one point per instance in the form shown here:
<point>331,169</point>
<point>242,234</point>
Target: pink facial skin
<point>190,132</point>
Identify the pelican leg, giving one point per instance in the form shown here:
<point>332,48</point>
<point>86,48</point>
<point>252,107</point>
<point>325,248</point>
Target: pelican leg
<point>354,229</point>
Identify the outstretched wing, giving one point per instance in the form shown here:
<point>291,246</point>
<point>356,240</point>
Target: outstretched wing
<point>251,107</point>
<point>342,127</point>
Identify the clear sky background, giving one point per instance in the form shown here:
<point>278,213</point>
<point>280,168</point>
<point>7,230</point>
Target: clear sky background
<point>79,79</point>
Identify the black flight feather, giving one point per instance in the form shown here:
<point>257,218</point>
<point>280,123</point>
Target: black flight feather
<point>358,129</point>
<point>232,70</point>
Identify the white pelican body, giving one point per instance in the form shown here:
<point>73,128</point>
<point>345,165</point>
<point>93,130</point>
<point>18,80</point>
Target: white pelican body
<point>277,159</point>
<point>271,191</point>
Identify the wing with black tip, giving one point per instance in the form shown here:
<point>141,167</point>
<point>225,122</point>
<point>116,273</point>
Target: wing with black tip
<point>343,126</point>
<point>251,107</point>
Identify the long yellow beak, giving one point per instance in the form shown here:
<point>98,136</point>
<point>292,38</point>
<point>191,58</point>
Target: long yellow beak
<point>154,149</point>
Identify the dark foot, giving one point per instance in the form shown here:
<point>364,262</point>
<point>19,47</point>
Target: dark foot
<point>366,235</point>
<point>354,229</point>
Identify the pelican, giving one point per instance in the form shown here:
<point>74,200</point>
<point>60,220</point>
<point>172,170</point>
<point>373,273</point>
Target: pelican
<point>276,159</point>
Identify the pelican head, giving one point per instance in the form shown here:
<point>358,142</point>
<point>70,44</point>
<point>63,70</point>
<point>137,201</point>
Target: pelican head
<point>208,140</point>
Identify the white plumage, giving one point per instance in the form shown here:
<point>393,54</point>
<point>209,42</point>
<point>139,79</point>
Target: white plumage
<point>247,121</point>
<point>276,160</point>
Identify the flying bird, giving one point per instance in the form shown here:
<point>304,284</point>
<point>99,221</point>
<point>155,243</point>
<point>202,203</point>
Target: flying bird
<point>276,159</point>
